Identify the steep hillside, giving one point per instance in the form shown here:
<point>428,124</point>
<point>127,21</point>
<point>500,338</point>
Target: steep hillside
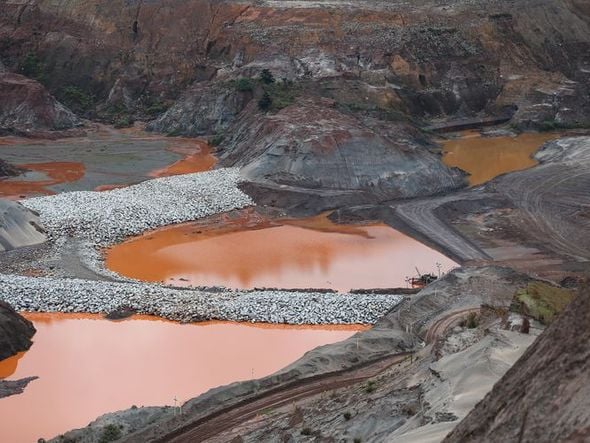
<point>545,396</point>
<point>427,60</point>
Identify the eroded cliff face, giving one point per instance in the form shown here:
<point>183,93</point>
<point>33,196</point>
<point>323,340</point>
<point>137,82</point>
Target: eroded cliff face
<point>423,60</point>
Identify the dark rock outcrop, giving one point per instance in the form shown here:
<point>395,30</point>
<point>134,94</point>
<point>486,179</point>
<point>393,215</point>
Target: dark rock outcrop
<point>545,396</point>
<point>8,170</point>
<point>15,332</point>
<point>27,107</point>
<point>203,109</point>
<point>315,149</point>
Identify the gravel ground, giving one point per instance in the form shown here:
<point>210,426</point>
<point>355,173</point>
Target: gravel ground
<point>98,219</point>
<point>47,294</point>
<point>108,217</point>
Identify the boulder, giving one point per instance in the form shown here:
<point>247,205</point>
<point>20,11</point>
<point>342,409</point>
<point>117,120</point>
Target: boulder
<point>15,332</point>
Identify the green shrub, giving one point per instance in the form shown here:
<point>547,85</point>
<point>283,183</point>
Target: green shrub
<point>76,99</point>
<point>156,108</point>
<point>306,431</point>
<point>357,440</point>
<point>472,321</point>
<point>267,77</point>
<point>370,387</point>
<point>123,121</point>
<point>216,140</point>
<point>265,102</point>
<point>110,433</point>
<point>32,67</point>
<point>244,84</point>
<point>347,415</point>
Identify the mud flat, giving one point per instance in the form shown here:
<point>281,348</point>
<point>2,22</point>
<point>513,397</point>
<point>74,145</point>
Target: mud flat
<point>104,158</point>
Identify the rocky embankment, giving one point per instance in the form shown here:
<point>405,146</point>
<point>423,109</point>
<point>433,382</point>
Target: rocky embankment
<point>107,217</point>
<point>27,108</point>
<point>48,294</point>
<point>15,332</point>
<point>18,226</point>
<point>545,396</point>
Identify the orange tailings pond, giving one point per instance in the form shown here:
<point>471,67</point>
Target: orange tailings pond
<point>88,366</point>
<point>53,172</point>
<point>487,157</point>
<point>249,251</point>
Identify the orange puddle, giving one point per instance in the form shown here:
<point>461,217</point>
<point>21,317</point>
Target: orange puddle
<point>56,172</point>
<point>487,157</point>
<point>251,251</point>
<point>197,158</point>
<point>194,161</point>
<point>88,366</point>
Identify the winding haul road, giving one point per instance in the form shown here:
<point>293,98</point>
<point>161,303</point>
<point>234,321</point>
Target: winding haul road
<point>553,199</point>
<point>225,419</point>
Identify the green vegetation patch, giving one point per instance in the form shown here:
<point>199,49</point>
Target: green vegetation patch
<point>32,67</point>
<point>76,99</point>
<point>541,301</point>
<point>110,433</point>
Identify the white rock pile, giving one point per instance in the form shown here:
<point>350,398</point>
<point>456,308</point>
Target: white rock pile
<point>47,294</point>
<point>107,217</point>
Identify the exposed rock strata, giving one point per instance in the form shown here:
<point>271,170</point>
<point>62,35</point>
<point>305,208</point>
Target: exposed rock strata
<point>425,60</point>
<point>26,107</point>
<point>309,148</point>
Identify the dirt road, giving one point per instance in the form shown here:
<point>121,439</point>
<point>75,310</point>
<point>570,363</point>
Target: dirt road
<point>222,420</point>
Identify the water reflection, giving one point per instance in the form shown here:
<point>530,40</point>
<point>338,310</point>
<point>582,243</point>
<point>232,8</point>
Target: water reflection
<point>487,157</point>
<point>88,366</point>
<point>262,253</point>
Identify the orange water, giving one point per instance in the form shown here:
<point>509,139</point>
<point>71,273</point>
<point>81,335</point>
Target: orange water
<point>487,157</point>
<point>197,158</point>
<point>247,253</point>
<point>56,172</point>
<point>88,366</point>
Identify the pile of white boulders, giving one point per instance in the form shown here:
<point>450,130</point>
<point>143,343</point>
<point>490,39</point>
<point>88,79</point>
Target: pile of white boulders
<point>101,219</point>
<point>48,294</point>
<point>107,217</point>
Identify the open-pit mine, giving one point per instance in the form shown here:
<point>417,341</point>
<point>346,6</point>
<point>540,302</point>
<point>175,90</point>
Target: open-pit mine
<point>294,221</point>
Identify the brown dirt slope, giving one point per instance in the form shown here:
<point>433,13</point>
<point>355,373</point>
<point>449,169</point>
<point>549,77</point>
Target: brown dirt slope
<point>545,396</point>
